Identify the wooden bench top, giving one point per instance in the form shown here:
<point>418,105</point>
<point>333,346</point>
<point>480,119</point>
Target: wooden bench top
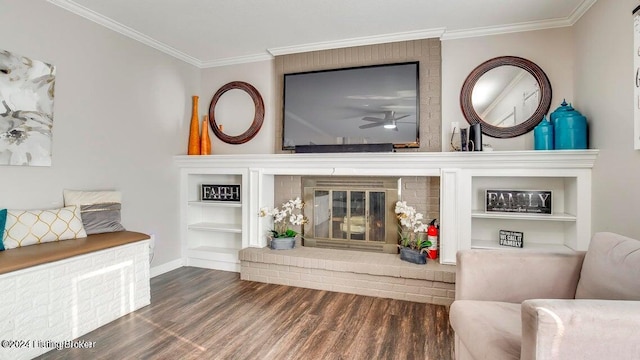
<point>28,256</point>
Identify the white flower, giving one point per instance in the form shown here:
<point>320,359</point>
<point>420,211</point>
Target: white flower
<point>285,216</point>
<point>297,203</point>
<point>420,228</point>
<point>409,218</point>
<point>297,219</point>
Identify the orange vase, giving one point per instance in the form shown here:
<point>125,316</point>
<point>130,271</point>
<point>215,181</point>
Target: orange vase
<point>205,141</point>
<point>194,131</point>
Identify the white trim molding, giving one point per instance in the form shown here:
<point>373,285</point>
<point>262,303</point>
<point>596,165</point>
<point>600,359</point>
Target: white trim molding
<point>520,27</point>
<point>441,33</point>
<point>236,60</point>
<point>124,30</point>
<point>165,268</point>
<point>359,41</point>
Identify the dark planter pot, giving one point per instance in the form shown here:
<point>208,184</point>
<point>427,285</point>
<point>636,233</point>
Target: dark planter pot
<point>413,256</point>
<point>283,243</point>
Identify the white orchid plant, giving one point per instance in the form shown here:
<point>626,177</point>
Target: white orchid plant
<point>290,213</point>
<point>410,226</point>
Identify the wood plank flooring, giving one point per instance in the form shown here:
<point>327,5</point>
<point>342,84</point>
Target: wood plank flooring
<point>207,314</point>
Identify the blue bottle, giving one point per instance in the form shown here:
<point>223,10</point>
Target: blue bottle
<point>543,135</point>
<point>570,128</point>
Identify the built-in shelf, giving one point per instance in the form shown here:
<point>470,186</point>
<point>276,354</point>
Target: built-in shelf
<point>216,204</point>
<point>487,244</point>
<point>516,216</point>
<point>207,226</point>
<point>212,232</point>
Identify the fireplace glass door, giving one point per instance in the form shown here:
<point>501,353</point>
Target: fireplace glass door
<point>353,213</point>
<point>349,215</point>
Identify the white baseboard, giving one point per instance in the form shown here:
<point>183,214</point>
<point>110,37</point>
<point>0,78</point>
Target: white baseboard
<point>166,267</point>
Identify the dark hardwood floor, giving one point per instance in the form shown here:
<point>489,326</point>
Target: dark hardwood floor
<point>207,314</point>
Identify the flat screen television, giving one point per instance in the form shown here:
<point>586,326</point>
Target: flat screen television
<point>362,105</point>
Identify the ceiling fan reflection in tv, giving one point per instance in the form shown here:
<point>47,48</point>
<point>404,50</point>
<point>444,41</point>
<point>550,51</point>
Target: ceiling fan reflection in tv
<point>389,122</point>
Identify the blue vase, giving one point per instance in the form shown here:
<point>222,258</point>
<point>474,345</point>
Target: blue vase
<point>543,135</point>
<point>570,128</point>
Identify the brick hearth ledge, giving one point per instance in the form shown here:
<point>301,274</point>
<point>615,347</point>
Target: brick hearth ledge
<point>355,272</point>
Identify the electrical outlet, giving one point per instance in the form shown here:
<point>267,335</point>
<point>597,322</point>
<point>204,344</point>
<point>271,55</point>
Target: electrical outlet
<point>455,127</point>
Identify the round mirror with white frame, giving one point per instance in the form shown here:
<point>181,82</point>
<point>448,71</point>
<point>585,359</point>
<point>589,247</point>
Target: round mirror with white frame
<point>507,95</point>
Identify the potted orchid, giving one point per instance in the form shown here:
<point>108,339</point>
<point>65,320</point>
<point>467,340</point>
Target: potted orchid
<point>290,213</point>
<point>413,243</point>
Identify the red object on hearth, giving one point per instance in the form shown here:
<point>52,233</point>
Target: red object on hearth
<point>432,235</point>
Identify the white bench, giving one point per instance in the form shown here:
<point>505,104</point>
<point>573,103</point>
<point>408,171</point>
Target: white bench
<point>55,292</point>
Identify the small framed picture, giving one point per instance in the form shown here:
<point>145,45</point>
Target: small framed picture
<point>511,238</point>
<point>212,192</point>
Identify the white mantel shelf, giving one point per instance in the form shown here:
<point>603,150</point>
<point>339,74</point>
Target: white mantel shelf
<point>345,163</point>
<point>462,175</point>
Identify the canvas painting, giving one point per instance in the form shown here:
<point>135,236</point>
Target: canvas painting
<point>26,110</point>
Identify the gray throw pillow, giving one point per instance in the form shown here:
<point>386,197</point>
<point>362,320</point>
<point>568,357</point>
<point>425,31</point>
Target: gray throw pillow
<point>100,210</point>
<point>101,218</point>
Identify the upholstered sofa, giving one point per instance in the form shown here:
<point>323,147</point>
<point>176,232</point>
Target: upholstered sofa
<point>527,304</point>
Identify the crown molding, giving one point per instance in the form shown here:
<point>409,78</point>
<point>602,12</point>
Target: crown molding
<point>580,10</point>
<point>505,29</point>
<point>124,30</point>
<point>359,41</point>
<point>521,27</point>
<point>236,60</point>
<point>441,33</point>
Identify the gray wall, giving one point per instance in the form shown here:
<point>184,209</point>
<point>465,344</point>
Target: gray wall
<point>121,112</point>
<point>603,85</point>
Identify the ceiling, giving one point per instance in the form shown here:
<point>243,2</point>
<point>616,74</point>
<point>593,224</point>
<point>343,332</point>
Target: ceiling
<point>209,33</point>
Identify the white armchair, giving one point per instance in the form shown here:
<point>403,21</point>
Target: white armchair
<point>524,304</point>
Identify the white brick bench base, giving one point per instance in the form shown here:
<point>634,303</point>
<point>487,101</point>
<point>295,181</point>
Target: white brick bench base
<point>370,274</point>
<point>66,299</point>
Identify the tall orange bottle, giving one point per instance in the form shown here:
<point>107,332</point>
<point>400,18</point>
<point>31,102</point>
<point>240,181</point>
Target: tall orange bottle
<point>205,142</point>
<point>194,131</point>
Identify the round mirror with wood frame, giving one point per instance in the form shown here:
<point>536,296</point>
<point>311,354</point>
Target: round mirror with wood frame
<point>523,127</point>
<point>257,119</point>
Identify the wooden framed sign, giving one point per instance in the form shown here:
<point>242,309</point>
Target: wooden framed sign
<point>518,201</point>
<point>511,238</point>
<point>220,192</point>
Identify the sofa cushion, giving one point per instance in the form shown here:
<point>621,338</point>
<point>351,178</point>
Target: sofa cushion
<point>490,328</point>
<point>611,269</point>
<point>100,209</point>
<point>29,227</point>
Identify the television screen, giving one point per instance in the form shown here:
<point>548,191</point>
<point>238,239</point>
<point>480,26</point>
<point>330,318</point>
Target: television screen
<point>364,105</point>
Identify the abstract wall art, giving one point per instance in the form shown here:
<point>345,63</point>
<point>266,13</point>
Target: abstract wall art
<point>26,110</point>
